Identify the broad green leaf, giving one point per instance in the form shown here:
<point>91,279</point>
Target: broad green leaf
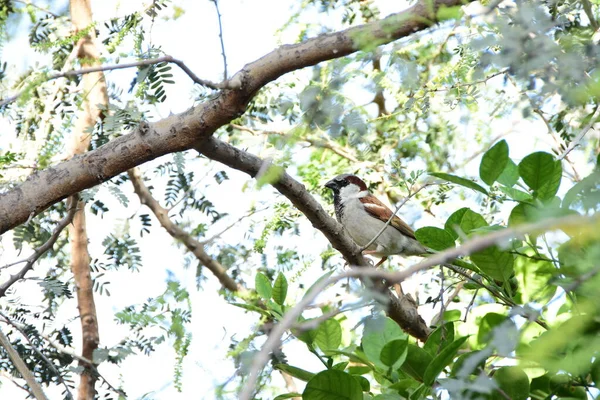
<point>513,381</point>
<point>549,189</point>
<point>434,238</point>
<point>454,221</point>
<point>535,278</point>
<point>515,194</point>
<point>471,221</point>
<point>365,385</point>
<point>541,173</point>
<point>388,396</point>
<point>296,372</point>
<point>271,174</point>
<point>445,13</point>
<point>329,335</point>
<point>280,289</point>
<point>443,359</point>
<point>495,263</point>
<point>341,366</point>
<point>586,192</point>
<point>439,338</point>
<point>417,361</point>
<point>510,175</point>
<point>376,334</point>
<point>405,387</point>
<point>332,385</point>
<point>358,370</point>
<point>263,286</point>
<point>487,325</point>
<point>459,181</point>
<point>394,352</point>
<point>493,162</point>
<point>287,396</point>
<point>521,214</point>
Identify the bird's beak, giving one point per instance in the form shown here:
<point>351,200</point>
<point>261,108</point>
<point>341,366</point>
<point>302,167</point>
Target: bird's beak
<point>331,184</point>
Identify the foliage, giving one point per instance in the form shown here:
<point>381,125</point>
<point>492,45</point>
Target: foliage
<point>493,113</point>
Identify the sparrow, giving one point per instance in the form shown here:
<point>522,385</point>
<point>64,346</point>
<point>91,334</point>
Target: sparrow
<point>364,215</point>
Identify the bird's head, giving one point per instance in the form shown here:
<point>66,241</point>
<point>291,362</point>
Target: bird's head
<point>346,184</point>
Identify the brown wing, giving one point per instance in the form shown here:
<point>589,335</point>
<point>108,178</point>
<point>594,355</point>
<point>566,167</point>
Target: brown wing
<point>379,210</point>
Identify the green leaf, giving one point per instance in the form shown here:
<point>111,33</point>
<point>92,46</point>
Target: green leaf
<point>510,175</point>
<point>439,338</point>
<point>393,352</point>
<point>471,221</point>
<point>541,173</point>
<point>443,359</point>
<point>263,286</point>
<point>487,325</point>
<point>495,263</point>
<point>445,13</point>
<point>365,385</point>
<point>493,162</point>
<point>280,289</point>
<point>459,181</point>
<point>329,335</point>
<point>521,214</point>
<point>434,238</point>
<point>513,381</point>
<point>376,334</point>
<point>332,385</point>
<point>454,221</point>
<point>287,396</point>
<point>515,194</point>
<point>586,192</point>
<point>250,307</point>
<point>270,175</point>
<point>548,190</point>
<point>417,361</point>
<point>296,372</point>
<point>388,396</point>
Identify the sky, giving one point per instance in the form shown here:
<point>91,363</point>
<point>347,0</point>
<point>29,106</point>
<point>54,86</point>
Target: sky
<point>250,31</point>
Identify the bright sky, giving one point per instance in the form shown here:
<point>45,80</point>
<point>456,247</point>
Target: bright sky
<point>249,32</point>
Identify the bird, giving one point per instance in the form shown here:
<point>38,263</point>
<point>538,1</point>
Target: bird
<point>364,215</point>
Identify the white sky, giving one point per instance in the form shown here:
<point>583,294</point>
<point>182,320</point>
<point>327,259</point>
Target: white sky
<point>249,32</point>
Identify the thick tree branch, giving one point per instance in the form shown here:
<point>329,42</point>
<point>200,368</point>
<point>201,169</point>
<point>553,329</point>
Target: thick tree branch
<point>183,131</point>
<point>403,310</point>
<point>193,245</point>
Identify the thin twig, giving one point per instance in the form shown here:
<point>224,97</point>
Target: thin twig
<point>51,365</point>
<point>470,305</point>
<point>575,142</point>
<point>216,3</point>
<point>36,6</point>
<point>469,247</point>
<point>387,223</point>
<point>234,223</point>
<point>36,389</point>
<point>141,63</point>
<point>72,208</point>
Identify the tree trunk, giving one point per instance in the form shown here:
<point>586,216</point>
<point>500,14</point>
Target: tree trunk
<point>94,93</point>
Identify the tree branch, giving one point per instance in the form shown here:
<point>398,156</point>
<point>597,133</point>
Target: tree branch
<point>18,362</point>
<point>216,3</point>
<point>402,310</point>
<point>51,365</point>
<point>468,247</point>
<point>72,209</point>
<point>193,245</point>
<point>103,68</point>
<point>183,131</point>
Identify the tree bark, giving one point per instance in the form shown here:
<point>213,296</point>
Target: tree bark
<point>94,94</point>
